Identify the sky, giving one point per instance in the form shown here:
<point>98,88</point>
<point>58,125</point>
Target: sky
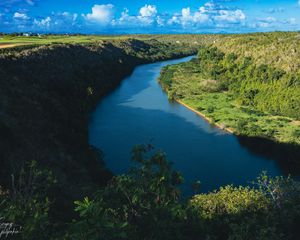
<point>149,16</point>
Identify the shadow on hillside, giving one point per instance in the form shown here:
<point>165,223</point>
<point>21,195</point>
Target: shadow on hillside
<point>286,155</point>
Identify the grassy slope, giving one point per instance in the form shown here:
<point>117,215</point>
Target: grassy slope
<point>57,39</point>
<point>280,49</point>
<point>188,83</point>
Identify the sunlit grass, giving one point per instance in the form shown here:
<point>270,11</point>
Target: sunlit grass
<point>56,38</point>
<point>221,108</point>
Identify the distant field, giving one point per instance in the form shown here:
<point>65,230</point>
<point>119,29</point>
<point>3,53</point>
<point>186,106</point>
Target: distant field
<point>9,41</point>
<point>194,39</point>
<point>279,49</point>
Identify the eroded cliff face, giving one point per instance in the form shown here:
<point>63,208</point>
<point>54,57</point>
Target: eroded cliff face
<point>46,94</point>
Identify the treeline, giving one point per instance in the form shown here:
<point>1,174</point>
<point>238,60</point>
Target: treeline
<point>262,86</point>
<point>277,49</point>
<point>239,94</point>
<point>146,203</point>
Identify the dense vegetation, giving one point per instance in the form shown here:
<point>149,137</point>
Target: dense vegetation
<point>145,204</point>
<point>46,95</point>
<point>55,186</point>
<point>238,91</point>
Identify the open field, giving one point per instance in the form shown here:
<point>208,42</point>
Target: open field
<point>11,41</point>
<point>51,39</point>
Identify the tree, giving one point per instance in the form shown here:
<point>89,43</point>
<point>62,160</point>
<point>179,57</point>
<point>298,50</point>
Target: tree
<point>142,203</point>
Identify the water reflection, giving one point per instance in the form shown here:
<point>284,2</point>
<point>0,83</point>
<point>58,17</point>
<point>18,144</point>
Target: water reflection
<point>139,111</point>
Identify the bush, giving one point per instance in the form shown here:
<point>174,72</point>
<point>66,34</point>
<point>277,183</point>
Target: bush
<point>241,125</point>
<point>27,204</point>
<point>296,133</point>
<point>137,205</point>
<point>233,213</point>
<point>145,204</point>
<point>210,109</point>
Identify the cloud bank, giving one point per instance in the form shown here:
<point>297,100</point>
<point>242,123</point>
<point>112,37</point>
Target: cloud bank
<point>212,16</point>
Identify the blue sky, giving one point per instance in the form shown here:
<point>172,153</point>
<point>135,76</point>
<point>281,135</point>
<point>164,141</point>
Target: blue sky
<point>149,16</point>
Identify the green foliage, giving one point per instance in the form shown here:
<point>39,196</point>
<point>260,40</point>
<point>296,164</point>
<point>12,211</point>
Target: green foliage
<point>210,54</point>
<point>233,213</point>
<point>48,121</point>
<point>248,97</point>
<point>296,133</point>
<point>269,211</point>
<point>145,204</point>
<point>168,76</point>
<point>138,205</point>
<point>210,109</point>
<point>27,203</point>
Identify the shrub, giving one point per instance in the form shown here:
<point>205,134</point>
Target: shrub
<point>210,109</point>
<point>137,205</point>
<point>26,204</point>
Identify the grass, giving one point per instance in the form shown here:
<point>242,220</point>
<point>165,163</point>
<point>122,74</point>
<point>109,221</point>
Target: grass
<point>52,39</point>
<point>188,86</point>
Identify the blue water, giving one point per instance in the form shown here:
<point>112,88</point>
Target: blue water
<point>138,111</point>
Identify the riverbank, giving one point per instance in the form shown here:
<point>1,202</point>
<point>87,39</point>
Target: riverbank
<point>237,94</point>
<point>210,120</point>
<point>220,110</point>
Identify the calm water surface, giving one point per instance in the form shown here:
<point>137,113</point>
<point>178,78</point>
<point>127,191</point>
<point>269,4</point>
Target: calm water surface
<point>138,111</point>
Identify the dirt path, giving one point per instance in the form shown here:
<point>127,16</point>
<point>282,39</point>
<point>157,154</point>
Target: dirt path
<point>9,45</point>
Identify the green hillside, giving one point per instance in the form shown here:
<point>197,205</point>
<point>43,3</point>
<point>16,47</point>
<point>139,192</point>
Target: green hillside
<point>242,86</point>
<point>54,185</point>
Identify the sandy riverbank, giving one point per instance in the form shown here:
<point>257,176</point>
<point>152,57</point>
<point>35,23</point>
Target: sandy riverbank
<point>229,130</point>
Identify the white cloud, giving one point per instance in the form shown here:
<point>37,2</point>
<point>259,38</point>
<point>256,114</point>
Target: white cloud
<point>208,14</point>
<point>268,19</point>
<point>65,14</point>
<point>265,22</point>
<point>213,16</point>
<point>274,23</point>
<point>75,16</point>
<point>160,21</point>
<point>44,23</point>
<point>292,21</point>
<point>187,18</point>
<point>146,17</point>
<point>147,14</point>
<point>276,10</point>
<point>125,19</point>
<point>20,16</point>
<point>30,2</point>
<point>230,16</point>
<point>102,14</point>
<point>148,11</point>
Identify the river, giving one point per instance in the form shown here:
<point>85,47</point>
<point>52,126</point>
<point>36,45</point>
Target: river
<point>138,111</point>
